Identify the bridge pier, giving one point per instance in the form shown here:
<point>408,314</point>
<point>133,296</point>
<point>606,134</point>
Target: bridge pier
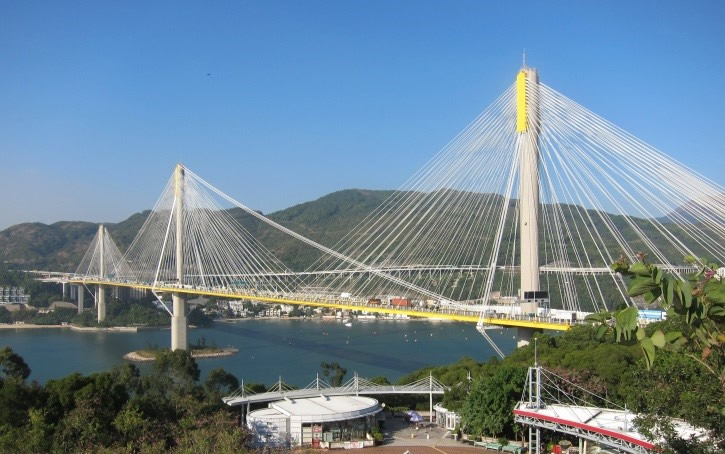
<point>179,324</point>
<point>81,294</point>
<point>101,302</point>
<point>524,335</point>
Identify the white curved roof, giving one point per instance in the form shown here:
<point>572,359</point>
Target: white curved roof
<point>319,409</point>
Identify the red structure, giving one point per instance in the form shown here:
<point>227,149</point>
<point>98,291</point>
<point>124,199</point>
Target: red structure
<point>400,302</point>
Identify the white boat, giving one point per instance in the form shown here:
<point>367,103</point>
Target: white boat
<point>348,324</point>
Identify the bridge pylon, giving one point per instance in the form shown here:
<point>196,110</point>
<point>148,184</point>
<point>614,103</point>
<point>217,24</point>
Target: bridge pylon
<point>179,324</point>
<point>100,289</point>
<point>528,128</point>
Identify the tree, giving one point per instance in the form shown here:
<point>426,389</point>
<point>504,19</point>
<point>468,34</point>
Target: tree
<point>454,398</point>
<point>221,382</point>
<point>694,332</point>
<point>699,300</point>
<point>199,318</point>
<point>13,365</point>
<point>488,408</point>
<point>15,400</point>
<point>132,425</point>
<point>5,316</point>
<point>176,365</point>
<point>380,380</point>
<point>256,388</point>
<point>334,371</point>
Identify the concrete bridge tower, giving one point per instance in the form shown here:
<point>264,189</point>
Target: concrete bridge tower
<point>179,324</point>
<point>101,297</point>
<point>527,129</point>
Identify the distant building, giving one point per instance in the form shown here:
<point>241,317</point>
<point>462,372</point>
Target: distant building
<point>13,295</point>
<point>237,307</point>
<point>272,312</point>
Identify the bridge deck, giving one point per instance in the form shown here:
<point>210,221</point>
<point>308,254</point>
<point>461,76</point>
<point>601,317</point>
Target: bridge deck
<point>504,320</point>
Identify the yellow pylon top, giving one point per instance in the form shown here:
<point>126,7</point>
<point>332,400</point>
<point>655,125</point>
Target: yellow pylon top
<point>521,123</point>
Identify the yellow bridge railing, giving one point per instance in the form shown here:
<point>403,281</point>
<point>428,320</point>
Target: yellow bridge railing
<point>500,319</point>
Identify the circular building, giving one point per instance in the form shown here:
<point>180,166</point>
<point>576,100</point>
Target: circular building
<point>324,422</point>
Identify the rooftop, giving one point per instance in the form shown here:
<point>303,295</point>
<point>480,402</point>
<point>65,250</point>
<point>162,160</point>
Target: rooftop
<point>320,408</point>
<point>614,423</point>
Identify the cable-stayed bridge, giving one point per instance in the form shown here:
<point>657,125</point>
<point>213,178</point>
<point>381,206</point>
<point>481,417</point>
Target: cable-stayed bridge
<point>513,223</point>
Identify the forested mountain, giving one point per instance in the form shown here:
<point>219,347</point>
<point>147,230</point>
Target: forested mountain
<point>61,245</point>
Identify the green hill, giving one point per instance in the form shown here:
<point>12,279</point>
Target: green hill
<point>61,245</point>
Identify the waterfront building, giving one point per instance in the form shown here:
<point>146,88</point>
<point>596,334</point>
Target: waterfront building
<point>13,295</point>
<point>320,422</point>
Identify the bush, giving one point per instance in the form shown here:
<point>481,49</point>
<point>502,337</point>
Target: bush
<point>376,434</point>
<point>5,316</point>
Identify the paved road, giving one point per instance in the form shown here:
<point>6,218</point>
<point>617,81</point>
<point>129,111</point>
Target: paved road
<point>401,436</point>
<point>425,450</point>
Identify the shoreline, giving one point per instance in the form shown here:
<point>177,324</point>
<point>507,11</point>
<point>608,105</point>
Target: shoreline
<point>118,329</point>
<point>29,326</point>
<point>110,329</point>
<point>135,329</point>
<point>226,351</point>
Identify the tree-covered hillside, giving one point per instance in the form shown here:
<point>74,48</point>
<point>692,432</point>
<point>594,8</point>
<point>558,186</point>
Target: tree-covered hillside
<point>327,220</point>
<point>60,246</point>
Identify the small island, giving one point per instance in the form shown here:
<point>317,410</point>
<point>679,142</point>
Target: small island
<point>198,351</point>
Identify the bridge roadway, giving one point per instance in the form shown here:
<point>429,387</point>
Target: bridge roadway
<point>498,319</point>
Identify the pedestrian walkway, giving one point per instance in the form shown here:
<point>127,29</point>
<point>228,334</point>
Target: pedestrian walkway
<point>425,450</point>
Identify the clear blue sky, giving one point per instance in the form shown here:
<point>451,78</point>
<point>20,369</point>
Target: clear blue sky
<point>100,99</point>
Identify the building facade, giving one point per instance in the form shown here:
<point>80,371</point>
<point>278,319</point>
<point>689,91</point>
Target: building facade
<point>320,422</point>
<point>13,295</point>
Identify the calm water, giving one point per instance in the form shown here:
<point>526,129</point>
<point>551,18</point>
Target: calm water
<point>269,348</point>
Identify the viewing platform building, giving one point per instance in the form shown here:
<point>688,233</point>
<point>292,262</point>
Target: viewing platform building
<point>319,422</point>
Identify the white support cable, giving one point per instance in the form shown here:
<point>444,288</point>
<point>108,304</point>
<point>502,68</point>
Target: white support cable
<point>163,247</point>
<point>450,231</point>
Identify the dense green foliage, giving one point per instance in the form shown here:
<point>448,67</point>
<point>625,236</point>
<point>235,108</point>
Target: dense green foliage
<point>698,301</point>
<point>677,386</point>
<point>334,371</point>
<point>118,411</point>
<point>496,394</point>
<point>169,409</point>
<point>32,316</point>
<point>692,341</point>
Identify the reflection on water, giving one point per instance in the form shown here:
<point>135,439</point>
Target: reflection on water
<point>293,349</point>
